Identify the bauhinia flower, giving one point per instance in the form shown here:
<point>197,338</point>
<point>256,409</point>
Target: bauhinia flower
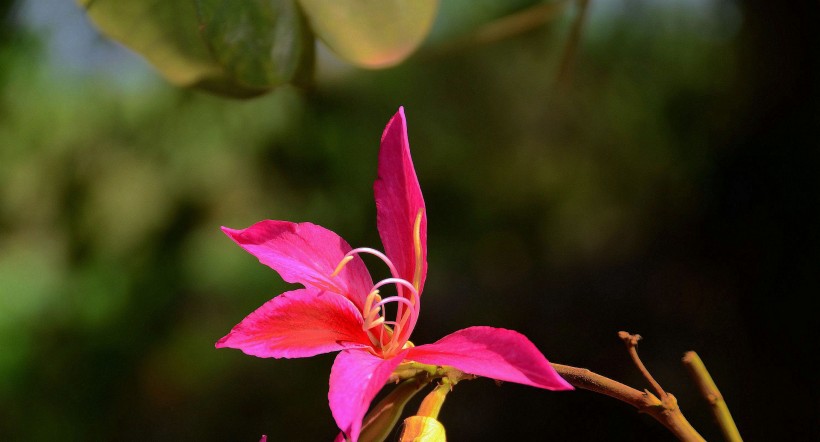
<point>340,308</point>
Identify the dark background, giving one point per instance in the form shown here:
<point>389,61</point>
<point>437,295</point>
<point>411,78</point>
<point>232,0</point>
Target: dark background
<point>663,182</point>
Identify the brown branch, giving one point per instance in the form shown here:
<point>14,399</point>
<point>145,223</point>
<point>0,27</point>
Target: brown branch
<point>666,412</point>
<point>631,342</point>
<point>516,23</point>
<point>565,68</point>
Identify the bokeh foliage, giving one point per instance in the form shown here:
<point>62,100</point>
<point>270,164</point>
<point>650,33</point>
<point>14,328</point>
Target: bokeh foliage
<point>247,48</point>
<point>662,190</point>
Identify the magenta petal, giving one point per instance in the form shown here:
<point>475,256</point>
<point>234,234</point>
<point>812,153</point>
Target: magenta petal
<point>297,324</point>
<point>305,253</point>
<point>399,199</point>
<point>495,353</point>
<point>355,379</point>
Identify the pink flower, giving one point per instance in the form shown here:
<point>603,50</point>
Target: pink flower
<point>340,308</point>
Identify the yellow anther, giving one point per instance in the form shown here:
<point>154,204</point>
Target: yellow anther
<point>341,265</point>
<point>372,297</point>
<point>372,324</point>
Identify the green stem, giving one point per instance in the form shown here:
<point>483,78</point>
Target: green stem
<point>709,390</point>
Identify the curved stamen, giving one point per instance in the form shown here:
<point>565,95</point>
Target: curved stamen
<point>405,329</point>
<point>407,310</point>
<point>368,303</point>
<point>398,281</point>
<point>405,320</point>
<point>349,256</point>
<point>402,317</point>
<point>375,322</point>
<point>390,299</point>
<point>401,283</point>
<point>341,265</point>
<point>373,317</point>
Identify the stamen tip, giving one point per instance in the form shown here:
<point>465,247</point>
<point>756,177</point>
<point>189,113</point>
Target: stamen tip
<point>341,265</point>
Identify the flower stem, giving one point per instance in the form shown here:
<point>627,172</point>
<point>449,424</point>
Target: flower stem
<point>710,391</point>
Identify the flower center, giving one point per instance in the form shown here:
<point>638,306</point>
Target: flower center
<point>390,337</point>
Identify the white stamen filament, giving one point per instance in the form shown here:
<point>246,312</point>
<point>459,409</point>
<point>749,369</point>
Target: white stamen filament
<point>389,299</point>
<point>407,309</point>
<point>349,256</point>
<point>373,315</point>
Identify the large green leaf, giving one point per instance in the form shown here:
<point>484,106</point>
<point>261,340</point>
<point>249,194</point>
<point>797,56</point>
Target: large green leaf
<point>163,31</point>
<point>261,43</point>
<point>242,50</point>
<point>371,33</point>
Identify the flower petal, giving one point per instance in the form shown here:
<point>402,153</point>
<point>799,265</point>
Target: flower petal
<point>495,353</point>
<point>355,379</point>
<point>297,324</point>
<point>306,253</point>
<point>399,200</point>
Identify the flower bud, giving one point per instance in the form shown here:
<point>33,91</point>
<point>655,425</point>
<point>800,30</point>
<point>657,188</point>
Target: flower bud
<point>422,429</point>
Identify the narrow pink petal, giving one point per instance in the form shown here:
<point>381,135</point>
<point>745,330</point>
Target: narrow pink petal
<point>355,379</point>
<point>298,324</point>
<point>495,353</point>
<point>399,199</point>
<point>305,253</point>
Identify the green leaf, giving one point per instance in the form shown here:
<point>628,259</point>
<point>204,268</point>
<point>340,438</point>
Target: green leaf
<point>371,33</point>
<point>261,43</point>
<point>217,48</point>
<point>163,31</point>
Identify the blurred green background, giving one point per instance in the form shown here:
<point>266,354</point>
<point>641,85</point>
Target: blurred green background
<point>656,175</point>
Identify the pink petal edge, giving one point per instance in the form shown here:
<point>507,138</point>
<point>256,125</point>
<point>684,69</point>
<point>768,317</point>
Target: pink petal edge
<point>355,379</point>
<point>398,199</point>
<point>305,253</point>
<point>297,324</point>
<point>495,353</point>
